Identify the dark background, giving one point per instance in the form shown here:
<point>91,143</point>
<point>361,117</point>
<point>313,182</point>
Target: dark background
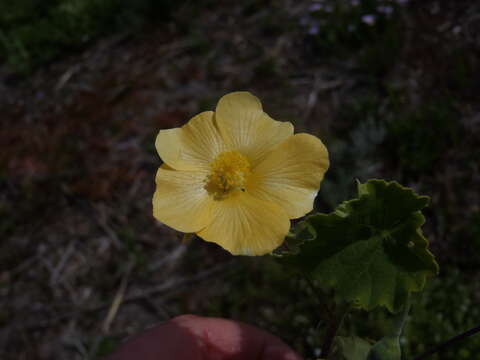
<point>391,87</point>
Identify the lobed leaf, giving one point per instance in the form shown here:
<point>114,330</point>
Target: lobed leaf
<point>371,249</point>
<point>351,348</point>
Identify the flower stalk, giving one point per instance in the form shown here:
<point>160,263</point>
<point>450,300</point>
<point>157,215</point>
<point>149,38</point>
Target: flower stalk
<point>332,330</point>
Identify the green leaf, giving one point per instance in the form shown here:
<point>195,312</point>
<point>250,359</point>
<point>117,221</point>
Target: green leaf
<point>301,233</point>
<point>388,348</point>
<point>370,250</point>
<point>351,348</point>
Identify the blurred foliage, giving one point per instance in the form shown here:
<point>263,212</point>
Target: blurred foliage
<point>446,309</point>
<point>475,230</point>
<point>435,317</point>
<point>105,346</point>
<point>417,139</point>
<point>36,31</point>
<point>370,27</point>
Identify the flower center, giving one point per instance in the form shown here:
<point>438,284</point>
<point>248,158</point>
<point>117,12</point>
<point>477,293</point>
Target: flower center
<point>228,174</point>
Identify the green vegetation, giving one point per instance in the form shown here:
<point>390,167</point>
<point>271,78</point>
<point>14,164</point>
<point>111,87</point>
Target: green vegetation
<point>418,139</point>
<point>370,253</point>
<point>446,309</point>
<point>370,28</point>
<point>436,316</point>
<point>35,31</point>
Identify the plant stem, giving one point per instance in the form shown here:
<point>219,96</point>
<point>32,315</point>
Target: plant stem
<point>400,319</point>
<point>334,326</point>
<point>318,296</point>
<point>449,342</point>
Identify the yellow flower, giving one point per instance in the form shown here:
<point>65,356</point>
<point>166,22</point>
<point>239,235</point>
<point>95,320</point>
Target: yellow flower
<point>236,177</point>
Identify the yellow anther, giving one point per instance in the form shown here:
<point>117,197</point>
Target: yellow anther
<point>228,173</point>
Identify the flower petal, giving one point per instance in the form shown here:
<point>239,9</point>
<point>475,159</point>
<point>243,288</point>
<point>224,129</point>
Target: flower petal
<point>244,225</point>
<point>193,146</point>
<point>180,201</point>
<point>242,122</point>
<point>290,175</point>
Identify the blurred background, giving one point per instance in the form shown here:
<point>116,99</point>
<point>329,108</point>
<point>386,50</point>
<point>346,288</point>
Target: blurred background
<point>391,86</point>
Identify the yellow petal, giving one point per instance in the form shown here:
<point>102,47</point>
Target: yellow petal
<point>180,201</point>
<point>244,225</point>
<point>290,175</point>
<point>193,146</point>
<point>242,122</point>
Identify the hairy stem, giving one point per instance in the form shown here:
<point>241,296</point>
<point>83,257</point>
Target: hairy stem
<point>334,326</point>
<point>320,299</point>
<point>400,320</point>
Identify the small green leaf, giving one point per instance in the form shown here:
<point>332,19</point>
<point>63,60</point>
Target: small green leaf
<point>301,233</point>
<point>370,250</point>
<point>351,348</point>
<point>388,348</point>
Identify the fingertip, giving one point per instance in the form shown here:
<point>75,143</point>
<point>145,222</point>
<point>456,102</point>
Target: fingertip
<point>184,318</point>
<point>194,337</point>
<point>236,340</point>
<point>280,352</point>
